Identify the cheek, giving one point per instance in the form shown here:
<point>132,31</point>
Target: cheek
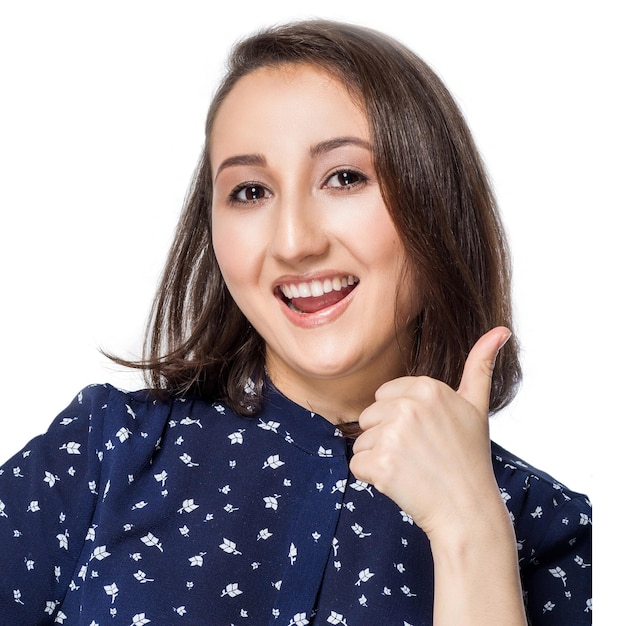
<point>222,253</point>
<point>385,249</point>
<point>239,250</point>
<point>403,283</point>
<point>230,244</point>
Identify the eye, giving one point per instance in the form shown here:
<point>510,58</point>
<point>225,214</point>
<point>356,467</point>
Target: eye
<point>343,179</point>
<point>248,193</point>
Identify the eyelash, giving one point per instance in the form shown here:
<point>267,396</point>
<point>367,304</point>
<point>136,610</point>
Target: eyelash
<point>361,179</point>
<point>232,196</point>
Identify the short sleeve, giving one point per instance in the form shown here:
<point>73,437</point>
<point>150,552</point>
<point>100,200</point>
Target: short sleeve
<point>48,493</point>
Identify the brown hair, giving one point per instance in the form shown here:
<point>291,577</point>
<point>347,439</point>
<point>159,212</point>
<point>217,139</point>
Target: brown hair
<point>435,188</point>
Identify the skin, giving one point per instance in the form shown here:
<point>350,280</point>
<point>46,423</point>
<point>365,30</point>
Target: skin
<point>292,152</point>
<point>295,199</point>
<point>426,446</point>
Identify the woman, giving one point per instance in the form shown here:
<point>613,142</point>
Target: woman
<point>322,361</point>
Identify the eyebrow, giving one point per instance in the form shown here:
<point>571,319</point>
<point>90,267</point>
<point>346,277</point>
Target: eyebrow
<point>323,147</point>
<point>242,159</point>
<point>338,142</point>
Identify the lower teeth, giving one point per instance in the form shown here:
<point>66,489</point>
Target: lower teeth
<point>293,307</point>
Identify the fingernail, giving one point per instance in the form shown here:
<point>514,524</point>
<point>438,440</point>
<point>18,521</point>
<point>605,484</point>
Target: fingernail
<point>503,342</point>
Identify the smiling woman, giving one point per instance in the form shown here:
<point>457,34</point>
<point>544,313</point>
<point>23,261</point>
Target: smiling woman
<point>311,213</point>
<point>340,260</point>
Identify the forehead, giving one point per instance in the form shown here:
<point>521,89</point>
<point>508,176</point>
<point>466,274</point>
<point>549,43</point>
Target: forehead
<point>300,101</point>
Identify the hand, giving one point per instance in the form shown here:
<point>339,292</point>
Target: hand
<point>427,447</point>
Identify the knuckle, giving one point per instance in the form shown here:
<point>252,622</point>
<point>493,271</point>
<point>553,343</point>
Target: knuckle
<point>428,389</point>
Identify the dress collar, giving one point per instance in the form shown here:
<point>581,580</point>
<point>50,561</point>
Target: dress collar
<point>309,431</point>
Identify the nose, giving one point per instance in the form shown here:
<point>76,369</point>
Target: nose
<point>299,232</point>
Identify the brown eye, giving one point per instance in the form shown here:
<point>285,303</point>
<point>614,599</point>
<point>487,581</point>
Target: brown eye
<point>249,193</point>
<point>345,178</point>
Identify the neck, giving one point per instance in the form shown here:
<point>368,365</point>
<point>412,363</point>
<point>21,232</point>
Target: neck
<point>339,400</point>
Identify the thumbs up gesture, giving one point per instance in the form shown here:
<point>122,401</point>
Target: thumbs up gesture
<point>427,447</point>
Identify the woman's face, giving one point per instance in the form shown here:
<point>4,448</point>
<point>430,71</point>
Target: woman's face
<point>302,236</point>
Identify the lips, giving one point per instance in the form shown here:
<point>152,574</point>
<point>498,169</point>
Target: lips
<point>306,297</point>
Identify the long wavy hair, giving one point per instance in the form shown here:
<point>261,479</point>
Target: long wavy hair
<point>433,183</point>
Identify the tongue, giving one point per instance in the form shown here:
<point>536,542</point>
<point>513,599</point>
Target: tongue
<point>314,304</point>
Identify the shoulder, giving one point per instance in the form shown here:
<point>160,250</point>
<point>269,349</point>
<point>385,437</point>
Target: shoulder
<point>125,429</point>
<point>96,415</point>
<point>109,403</point>
<point>553,530</point>
<point>552,522</point>
<point>99,419</point>
<point>127,422</point>
<point>534,497</point>
<point>517,477</point>
<point>98,409</point>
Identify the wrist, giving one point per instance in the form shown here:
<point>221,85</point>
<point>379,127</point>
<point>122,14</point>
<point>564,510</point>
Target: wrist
<point>474,532</point>
<point>477,573</point>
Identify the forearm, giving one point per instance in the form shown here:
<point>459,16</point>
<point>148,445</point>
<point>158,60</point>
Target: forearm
<point>476,574</point>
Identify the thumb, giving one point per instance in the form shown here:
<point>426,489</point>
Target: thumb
<point>475,384</point>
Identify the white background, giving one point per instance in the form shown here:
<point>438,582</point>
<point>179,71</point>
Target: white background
<point>101,124</point>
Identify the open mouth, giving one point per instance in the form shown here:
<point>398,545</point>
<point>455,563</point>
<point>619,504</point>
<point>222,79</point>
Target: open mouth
<point>315,295</point>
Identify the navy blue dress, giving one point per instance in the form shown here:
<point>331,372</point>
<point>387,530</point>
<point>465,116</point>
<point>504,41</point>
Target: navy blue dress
<point>133,511</point>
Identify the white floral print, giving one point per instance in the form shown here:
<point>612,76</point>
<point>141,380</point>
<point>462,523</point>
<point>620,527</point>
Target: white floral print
<point>135,511</point>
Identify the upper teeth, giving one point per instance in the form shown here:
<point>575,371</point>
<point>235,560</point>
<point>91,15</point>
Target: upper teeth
<point>316,288</point>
